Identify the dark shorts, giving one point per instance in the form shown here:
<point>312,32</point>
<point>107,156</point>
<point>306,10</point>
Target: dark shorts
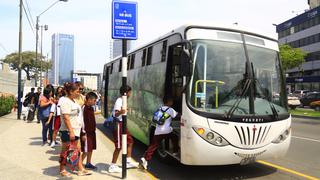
<point>65,137</point>
<point>57,123</point>
<point>90,144</point>
<point>117,136</point>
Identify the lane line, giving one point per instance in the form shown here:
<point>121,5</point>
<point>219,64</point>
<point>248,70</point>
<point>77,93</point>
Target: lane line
<point>308,139</point>
<point>146,171</point>
<point>287,170</point>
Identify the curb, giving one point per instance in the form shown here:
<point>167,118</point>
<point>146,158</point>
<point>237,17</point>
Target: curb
<point>305,117</point>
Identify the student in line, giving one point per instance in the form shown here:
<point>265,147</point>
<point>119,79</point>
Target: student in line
<point>117,113</point>
<point>89,144</point>
<point>162,132</point>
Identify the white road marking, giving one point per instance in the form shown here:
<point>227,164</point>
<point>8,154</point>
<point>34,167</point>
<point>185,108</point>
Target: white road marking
<point>308,139</point>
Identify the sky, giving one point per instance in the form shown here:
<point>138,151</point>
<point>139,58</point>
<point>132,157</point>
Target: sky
<point>90,22</point>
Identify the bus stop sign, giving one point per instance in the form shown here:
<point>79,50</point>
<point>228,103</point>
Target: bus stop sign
<point>124,20</point>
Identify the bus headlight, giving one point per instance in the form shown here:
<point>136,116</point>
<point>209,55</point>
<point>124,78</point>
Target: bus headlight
<point>282,136</point>
<point>210,136</point>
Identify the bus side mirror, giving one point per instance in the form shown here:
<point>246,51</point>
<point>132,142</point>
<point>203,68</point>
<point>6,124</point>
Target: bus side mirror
<point>186,64</point>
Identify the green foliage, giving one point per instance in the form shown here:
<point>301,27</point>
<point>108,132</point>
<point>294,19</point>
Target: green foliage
<point>291,57</point>
<point>28,64</point>
<point>6,104</point>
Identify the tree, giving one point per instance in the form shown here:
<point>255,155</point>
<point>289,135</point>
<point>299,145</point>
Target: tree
<point>291,57</point>
<point>28,64</point>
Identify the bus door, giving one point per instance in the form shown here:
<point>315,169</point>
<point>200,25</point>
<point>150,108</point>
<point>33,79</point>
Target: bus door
<point>173,88</point>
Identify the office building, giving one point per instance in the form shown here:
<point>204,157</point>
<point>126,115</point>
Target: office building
<point>89,80</point>
<point>62,58</point>
<point>303,31</point>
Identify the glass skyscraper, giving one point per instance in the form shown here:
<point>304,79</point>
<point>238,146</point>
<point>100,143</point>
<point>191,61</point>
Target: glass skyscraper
<point>62,58</point>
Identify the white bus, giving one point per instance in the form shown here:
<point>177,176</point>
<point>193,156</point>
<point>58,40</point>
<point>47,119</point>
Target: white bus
<point>228,85</point>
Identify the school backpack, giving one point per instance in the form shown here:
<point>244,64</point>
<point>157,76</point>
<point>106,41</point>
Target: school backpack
<point>160,116</point>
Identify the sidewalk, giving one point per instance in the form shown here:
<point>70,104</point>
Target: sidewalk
<point>23,157</point>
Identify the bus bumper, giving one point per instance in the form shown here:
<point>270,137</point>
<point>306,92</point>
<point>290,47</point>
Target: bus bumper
<point>200,152</point>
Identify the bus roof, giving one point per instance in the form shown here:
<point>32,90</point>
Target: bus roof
<point>181,30</point>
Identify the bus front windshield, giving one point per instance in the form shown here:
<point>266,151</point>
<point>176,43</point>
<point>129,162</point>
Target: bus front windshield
<point>235,78</point>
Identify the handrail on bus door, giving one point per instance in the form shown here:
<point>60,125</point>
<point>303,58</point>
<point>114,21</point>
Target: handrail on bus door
<point>217,83</point>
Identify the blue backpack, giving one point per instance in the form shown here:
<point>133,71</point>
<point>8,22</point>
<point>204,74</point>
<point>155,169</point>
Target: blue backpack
<point>160,116</point>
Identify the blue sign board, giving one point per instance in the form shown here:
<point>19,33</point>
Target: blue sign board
<point>124,20</point>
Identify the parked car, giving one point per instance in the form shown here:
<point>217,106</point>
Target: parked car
<point>315,105</point>
<point>293,102</point>
<point>300,93</point>
<point>310,97</point>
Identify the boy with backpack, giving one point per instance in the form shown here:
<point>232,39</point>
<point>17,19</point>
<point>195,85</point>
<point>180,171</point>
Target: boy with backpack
<point>117,113</point>
<point>162,117</point>
<point>89,143</point>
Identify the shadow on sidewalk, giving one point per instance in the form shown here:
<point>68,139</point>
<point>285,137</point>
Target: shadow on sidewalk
<point>52,171</point>
<point>36,138</point>
<point>36,143</point>
<point>103,169</point>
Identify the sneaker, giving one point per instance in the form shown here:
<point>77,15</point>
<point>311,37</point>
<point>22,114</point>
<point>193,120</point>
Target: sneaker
<point>131,164</point>
<point>90,166</point>
<point>56,142</point>
<point>144,163</point>
<point>113,168</point>
<point>53,144</point>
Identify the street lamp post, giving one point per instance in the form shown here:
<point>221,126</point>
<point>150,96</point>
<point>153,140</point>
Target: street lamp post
<point>20,61</point>
<point>45,28</point>
<point>37,32</point>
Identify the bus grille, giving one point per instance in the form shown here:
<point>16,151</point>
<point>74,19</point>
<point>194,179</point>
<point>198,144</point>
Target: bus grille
<point>251,136</point>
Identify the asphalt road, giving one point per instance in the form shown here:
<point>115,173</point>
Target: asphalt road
<point>301,162</point>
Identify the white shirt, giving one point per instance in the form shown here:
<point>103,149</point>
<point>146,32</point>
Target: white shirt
<point>117,107</point>
<point>75,112</point>
<point>166,127</point>
<point>55,109</point>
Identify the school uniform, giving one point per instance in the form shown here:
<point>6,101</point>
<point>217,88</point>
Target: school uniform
<point>163,132</point>
<point>90,129</point>
<point>117,131</point>
<point>55,109</point>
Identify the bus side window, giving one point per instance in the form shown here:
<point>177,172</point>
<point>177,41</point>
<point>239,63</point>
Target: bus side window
<point>111,68</point>
<point>132,61</point>
<point>143,58</point>
<point>164,51</point>
<point>149,55</point>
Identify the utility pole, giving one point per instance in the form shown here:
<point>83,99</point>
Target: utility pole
<point>20,60</point>
<point>37,39</point>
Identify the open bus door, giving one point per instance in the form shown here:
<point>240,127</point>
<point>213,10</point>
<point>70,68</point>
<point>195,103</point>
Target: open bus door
<point>177,68</point>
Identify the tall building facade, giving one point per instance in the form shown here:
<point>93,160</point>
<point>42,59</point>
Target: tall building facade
<point>62,58</point>
<point>303,31</point>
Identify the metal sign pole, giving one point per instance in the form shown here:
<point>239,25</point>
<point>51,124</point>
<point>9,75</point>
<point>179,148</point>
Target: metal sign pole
<point>124,106</point>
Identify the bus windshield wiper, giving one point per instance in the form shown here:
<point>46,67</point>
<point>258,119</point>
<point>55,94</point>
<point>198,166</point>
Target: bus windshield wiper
<point>244,90</point>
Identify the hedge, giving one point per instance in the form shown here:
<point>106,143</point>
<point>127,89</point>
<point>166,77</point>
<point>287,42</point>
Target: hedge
<point>6,104</point>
